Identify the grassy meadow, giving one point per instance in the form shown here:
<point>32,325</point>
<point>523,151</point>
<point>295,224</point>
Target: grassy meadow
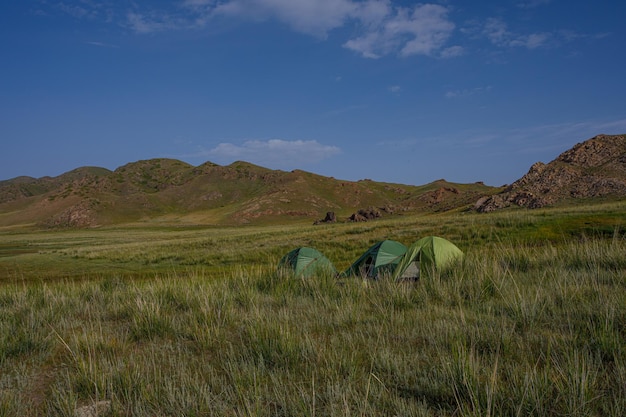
<point>160,320</point>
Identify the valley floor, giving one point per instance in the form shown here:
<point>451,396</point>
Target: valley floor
<point>197,322</point>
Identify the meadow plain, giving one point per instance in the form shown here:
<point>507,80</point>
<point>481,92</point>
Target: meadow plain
<point>164,320</point>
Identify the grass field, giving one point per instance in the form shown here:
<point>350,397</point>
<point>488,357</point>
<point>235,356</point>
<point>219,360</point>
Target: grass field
<point>194,321</point>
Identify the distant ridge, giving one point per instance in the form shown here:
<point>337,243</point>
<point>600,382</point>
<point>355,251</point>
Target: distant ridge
<point>169,191</point>
<point>591,169</point>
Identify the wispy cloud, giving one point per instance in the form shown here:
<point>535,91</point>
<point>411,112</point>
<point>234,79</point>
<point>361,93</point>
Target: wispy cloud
<point>156,21</point>
<point>143,24</point>
<point>466,92</point>
<point>101,44</point>
<point>378,27</point>
<point>544,141</point>
<point>342,110</point>
<point>452,52</point>
<point>532,41</point>
<point>498,33</point>
<point>82,9</point>
<point>311,17</point>
<point>421,30</point>
<point>78,11</point>
<point>273,153</point>
<point>383,28</point>
<point>531,4</point>
<point>198,3</point>
<point>548,139</point>
<point>569,35</point>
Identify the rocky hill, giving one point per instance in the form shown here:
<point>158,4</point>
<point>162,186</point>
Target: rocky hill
<point>171,191</point>
<point>594,168</point>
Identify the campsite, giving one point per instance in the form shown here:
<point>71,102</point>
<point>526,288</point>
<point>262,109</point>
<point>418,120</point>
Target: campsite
<point>174,320</point>
<point>312,208</point>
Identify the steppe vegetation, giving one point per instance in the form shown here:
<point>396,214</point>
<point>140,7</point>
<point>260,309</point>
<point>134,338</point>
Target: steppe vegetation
<point>171,321</point>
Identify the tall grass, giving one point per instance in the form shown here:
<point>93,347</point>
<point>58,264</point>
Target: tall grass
<point>522,327</point>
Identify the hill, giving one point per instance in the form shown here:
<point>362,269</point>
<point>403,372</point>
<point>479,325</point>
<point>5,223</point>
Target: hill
<point>591,169</point>
<point>172,191</point>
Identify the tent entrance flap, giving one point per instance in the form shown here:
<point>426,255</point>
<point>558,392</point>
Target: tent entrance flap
<point>412,272</point>
<point>379,260</point>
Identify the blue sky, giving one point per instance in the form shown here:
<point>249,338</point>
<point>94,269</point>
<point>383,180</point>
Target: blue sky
<point>390,90</point>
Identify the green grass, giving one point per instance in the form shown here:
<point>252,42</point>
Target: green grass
<point>196,322</point>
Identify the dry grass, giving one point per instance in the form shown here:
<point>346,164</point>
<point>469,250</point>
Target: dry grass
<point>525,326</point>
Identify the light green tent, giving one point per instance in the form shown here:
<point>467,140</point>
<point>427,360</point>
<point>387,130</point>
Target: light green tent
<point>425,255</point>
<point>378,260</point>
<point>305,262</point>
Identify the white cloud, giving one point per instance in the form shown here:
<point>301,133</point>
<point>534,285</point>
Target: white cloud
<point>466,92</point>
<point>143,24</point>
<point>452,52</point>
<point>533,139</point>
<point>395,89</point>
<point>101,44</point>
<point>372,12</point>
<point>83,9</point>
<point>418,31</point>
<point>312,17</point>
<point>531,4</point>
<point>274,153</point>
<point>374,28</point>
<point>532,41</point>
<point>498,33</point>
<point>384,27</point>
<point>198,3</point>
<point>78,12</point>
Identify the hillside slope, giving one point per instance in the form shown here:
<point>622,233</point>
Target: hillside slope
<point>591,169</point>
<point>168,190</point>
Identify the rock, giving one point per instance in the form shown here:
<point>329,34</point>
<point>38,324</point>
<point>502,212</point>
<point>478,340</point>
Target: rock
<point>356,217</point>
<point>481,202</point>
<point>96,409</point>
<point>364,215</point>
<point>594,168</point>
<point>439,195</point>
<point>78,215</point>
<point>330,218</point>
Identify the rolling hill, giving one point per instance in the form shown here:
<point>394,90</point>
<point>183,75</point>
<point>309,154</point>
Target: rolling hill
<point>171,191</point>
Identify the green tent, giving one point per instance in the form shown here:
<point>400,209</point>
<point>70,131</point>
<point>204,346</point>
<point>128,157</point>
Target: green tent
<point>305,262</point>
<point>427,254</point>
<point>378,260</point>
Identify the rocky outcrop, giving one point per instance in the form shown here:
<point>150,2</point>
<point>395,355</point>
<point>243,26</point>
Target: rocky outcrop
<point>364,215</point>
<point>331,217</point>
<point>594,168</point>
<point>439,195</point>
<point>79,215</point>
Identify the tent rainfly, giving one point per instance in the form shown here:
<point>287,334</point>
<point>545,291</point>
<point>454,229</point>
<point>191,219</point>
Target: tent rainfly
<point>378,260</point>
<point>425,255</point>
<point>305,262</point>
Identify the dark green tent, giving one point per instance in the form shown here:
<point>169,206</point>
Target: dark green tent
<point>378,260</point>
<point>305,262</point>
<point>425,255</point>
